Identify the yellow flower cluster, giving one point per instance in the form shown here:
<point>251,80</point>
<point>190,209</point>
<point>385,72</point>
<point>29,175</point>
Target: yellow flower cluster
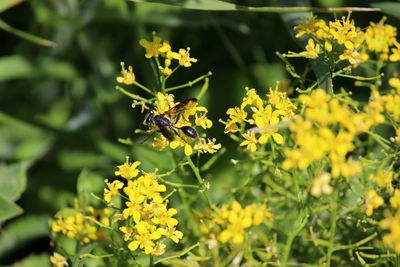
<point>265,117</point>
<point>341,37</point>
<point>320,185</point>
<point>229,224</point>
<point>391,222</point>
<point>373,201</point>
<point>382,178</point>
<point>315,138</point>
<point>155,49</point>
<point>147,219</point>
<point>58,260</point>
<point>163,104</point>
<point>80,228</point>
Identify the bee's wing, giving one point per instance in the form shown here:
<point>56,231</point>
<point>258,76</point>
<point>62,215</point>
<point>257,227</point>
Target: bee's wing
<point>180,108</point>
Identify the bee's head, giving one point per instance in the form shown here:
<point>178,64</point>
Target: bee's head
<point>148,118</point>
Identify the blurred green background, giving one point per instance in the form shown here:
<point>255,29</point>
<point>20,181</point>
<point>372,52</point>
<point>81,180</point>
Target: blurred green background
<point>60,112</point>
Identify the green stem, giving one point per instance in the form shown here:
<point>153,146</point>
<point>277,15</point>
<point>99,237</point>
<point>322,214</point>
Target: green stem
<point>332,229</point>
<point>151,260</point>
<point>133,96</point>
<point>143,87</point>
<point>301,222</point>
<point>189,84</point>
<point>204,187</point>
<point>180,254</point>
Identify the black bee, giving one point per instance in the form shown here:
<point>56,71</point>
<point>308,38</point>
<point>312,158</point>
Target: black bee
<point>165,123</point>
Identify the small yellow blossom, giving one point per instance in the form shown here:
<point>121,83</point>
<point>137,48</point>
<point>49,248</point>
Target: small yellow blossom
<point>128,77</point>
<point>207,147</point>
<point>395,199</point>
<point>252,98</point>
<point>372,202</point>
<point>250,141</point>
<point>184,58</point>
<point>203,121</point>
<point>112,189</point>
<point>162,142</point>
<point>379,37</point>
<point>58,260</point>
<point>230,223</point>
<point>312,50</point>
<point>395,82</point>
<point>128,170</point>
<point>127,232</point>
<point>320,185</point>
<point>395,56</point>
<point>382,178</point>
<point>180,142</point>
<point>309,26</point>
<point>392,223</point>
<point>152,48</point>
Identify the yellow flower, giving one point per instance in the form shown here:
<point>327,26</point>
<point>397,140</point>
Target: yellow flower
<point>372,202</point>
<point>128,77</point>
<point>127,232</point>
<point>162,142</point>
<point>184,58</point>
<point>152,48</point>
<point>344,31</point>
<point>237,115</point>
<point>395,82</point>
<point>328,46</point>
<point>379,37</point>
<point>164,102</point>
<point>250,141</point>
<point>149,187</point>
<point>309,27</point>
<point>395,56</point>
<point>392,223</point>
<point>164,217</point>
<point>112,189</point>
<point>173,234</point>
<point>203,121</point>
<point>320,185</point>
<point>382,178</point>
<point>312,50</point>
<point>180,142</point>
<point>252,99</point>
<point>207,147</point>
<point>134,205</point>
<point>58,260</point>
<point>395,199</point>
<point>128,170</point>
<point>282,103</point>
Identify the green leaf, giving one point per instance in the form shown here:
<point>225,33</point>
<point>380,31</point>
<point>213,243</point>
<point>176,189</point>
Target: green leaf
<point>89,182</point>
<point>78,159</point>
<point>8,209</point>
<point>23,230</point>
<point>391,8</point>
<point>78,262</point>
<point>24,35</point>
<point>322,72</point>
<point>57,69</point>
<point>15,67</point>
<point>6,4</point>
<point>114,151</point>
<point>42,260</point>
<point>12,180</point>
